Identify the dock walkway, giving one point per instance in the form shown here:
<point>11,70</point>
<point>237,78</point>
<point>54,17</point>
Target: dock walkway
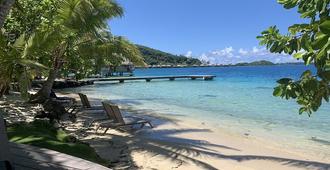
<point>149,78</point>
<point>31,157</point>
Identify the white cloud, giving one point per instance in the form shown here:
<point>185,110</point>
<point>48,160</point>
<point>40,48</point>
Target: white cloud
<point>229,55</point>
<point>228,51</point>
<point>189,54</point>
<point>242,51</point>
<point>255,50</point>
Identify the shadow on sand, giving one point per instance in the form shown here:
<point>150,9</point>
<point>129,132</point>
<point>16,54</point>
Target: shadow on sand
<point>187,151</point>
<point>165,143</point>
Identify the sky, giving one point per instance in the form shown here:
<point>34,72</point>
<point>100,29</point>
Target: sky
<point>217,31</point>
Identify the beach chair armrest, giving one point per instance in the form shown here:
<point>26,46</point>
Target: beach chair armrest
<point>135,117</point>
<point>103,119</point>
<point>134,123</point>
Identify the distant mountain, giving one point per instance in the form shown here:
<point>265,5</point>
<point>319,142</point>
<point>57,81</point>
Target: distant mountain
<point>256,63</point>
<point>156,57</point>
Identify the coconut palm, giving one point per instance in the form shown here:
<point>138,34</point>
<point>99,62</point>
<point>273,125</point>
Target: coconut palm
<point>15,65</point>
<point>112,50</point>
<point>78,22</point>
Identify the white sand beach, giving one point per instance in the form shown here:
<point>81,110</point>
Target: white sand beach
<point>179,143</point>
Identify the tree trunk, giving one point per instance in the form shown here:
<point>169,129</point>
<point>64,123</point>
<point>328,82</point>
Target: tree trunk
<point>5,6</point>
<point>44,93</point>
<point>4,89</point>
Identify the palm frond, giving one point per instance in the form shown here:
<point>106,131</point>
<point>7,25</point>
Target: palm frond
<point>43,41</point>
<point>15,66</point>
<point>24,83</point>
<point>127,50</point>
<point>32,64</point>
<point>87,15</point>
<point>19,42</point>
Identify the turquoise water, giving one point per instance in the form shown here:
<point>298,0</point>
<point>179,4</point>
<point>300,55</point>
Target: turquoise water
<point>239,99</point>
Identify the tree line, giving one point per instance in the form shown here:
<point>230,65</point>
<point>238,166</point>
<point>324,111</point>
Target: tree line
<point>156,57</point>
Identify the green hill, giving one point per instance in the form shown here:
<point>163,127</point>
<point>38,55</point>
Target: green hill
<point>256,63</point>
<point>156,57</point>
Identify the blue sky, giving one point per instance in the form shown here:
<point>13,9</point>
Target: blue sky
<point>219,31</point>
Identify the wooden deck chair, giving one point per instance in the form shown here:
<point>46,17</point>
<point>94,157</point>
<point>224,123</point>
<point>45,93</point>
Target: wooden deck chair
<point>86,104</point>
<point>114,113</point>
<point>109,116</point>
<point>68,103</point>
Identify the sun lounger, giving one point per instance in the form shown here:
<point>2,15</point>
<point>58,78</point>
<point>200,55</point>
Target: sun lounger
<point>54,96</point>
<point>118,120</point>
<point>68,103</point>
<point>86,104</point>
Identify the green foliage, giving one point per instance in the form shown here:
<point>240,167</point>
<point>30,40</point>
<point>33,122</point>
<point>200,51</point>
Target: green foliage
<point>87,16</point>
<point>81,28</point>
<point>309,42</point>
<point>25,17</point>
<point>65,35</point>
<point>15,66</point>
<point>28,15</point>
<point>44,135</point>
<point>156,57</point>
<point>98,53</point>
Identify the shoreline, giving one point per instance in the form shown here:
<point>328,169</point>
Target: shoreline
<point>275,137</point>
<point>181,142</point>
<point>247,135</point>
<point>222,148</point>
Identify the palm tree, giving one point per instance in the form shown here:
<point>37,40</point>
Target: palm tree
<point>15,65</point>
<point>112,50</point>
<point>5,6</point>
<point>76,22</point>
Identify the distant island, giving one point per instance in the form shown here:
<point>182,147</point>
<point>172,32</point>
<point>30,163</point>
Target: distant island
<point>260,63</point>
<point>157,58</point>
<point>256,63</point>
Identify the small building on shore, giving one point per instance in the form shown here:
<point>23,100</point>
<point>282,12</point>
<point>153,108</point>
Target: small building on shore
<point>126,68</point>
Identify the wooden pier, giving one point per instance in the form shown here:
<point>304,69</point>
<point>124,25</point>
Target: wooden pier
<point>149,78</point>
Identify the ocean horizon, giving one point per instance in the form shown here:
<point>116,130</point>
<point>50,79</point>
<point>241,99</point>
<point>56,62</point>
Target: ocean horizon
<point>239,100</point>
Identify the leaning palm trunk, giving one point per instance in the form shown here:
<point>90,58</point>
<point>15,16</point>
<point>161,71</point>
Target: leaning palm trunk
<point>44,93</point>
<point>4,89</point>
<point>74,20</point>
<point>5,6</point>
<point>5,75</point>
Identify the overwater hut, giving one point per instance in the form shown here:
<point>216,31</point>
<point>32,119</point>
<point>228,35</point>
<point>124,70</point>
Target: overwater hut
<point>126,68</point>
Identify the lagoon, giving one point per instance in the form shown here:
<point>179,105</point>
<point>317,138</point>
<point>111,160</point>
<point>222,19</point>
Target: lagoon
<point>238,100</point>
